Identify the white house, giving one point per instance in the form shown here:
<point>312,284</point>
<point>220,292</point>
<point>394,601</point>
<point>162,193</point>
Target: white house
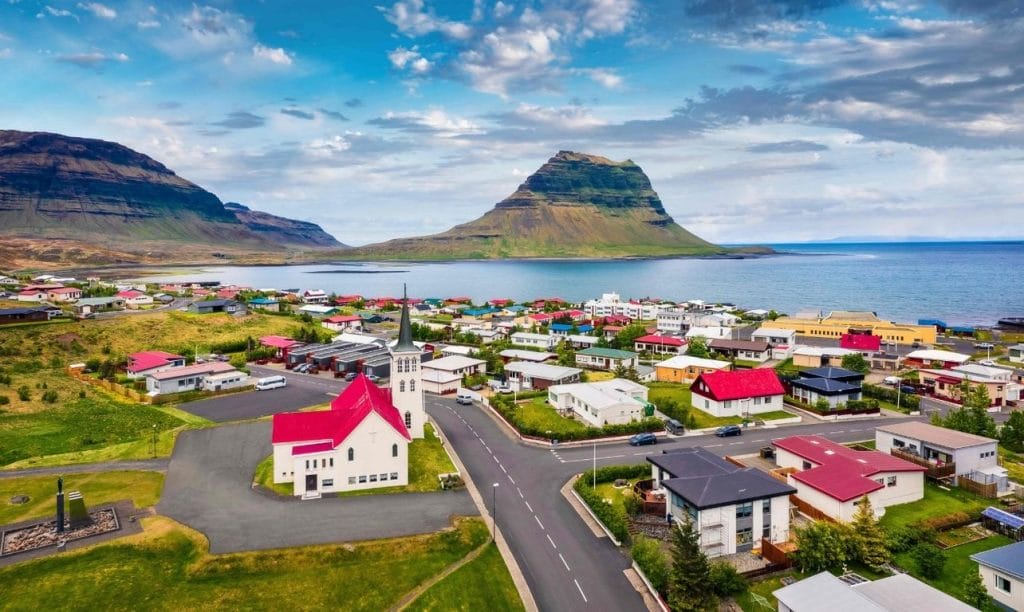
<point>532,375</point>
<point>673,321</point>
<point>148,362</point>
<point>31,295</point>
<point>318,310</point>
<point>360,443</point>
<point>974,456</point>
<point>458,349</point>
<point>541,341</point>
<point>710,333</point>
<point>741,393</point>
<point>521,355</point>
<point>731,508</point>
<point>188,378</point>
<point>1015,353</point>
<point>611,304</point>
<point>610,402</point>
<point>833,478</point>
<point>340,323</point>
<point>605,358</point>
<point>896,593</point>
<point>226,380</point>
<point>579,341</point>
<point>134,299</point>
<point>1002,572</point>
<point>315,296</point>
<point>782,341</point>
<point>444,375</point>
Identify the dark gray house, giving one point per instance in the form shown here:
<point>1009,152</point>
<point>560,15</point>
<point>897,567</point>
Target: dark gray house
<point>731,508</point>
<point>226,306</point>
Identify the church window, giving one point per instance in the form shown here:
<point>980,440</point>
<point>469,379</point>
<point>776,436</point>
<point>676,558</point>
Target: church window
<point>401,387</point>
<point>394,450</point>
<point>412,385</point>
<point>400,364</point>
<point>351,454</point>
<point>408,419</point>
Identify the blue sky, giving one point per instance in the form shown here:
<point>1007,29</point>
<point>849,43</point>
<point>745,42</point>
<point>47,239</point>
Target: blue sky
<point>757,120</point>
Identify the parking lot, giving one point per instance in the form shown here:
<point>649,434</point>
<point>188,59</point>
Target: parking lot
<point>302,391</point>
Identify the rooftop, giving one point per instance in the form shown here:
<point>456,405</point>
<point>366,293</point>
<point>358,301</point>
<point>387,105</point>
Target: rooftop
<point>708,481</point>
<point>599,395</point>
<point>826,386</point>
<point>545,371</point>
<point>739,345</point>
<point>212,367</point>
<point>607,352</point>
<point>452,363</point>
<point>939,436</point>
<point>723,385</point>
<point>686,361</point>
<point>527,355</point>
<point>898,593</point>
<point>658,339</point>
<point>1009,559</point>
<point>934,355</point>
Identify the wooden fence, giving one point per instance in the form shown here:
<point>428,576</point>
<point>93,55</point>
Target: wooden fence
<point>810,510</point>
<point>934,471</point>
<point>989,490</point>
<point>777,554</point>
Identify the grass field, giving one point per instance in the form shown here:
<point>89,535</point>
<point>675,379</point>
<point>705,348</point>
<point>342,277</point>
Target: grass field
<point>481,584</point>
<point>168,567</point>
<point>958,564</point>
<point>680,394</point>
<point>538,413</point>
<point>427,459</point>
<point>1013,463</point>
<point>617,495</point>
<point>99,488</point>
<point>936,502</point>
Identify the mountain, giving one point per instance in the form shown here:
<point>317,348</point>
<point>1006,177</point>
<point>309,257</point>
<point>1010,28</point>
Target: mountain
<point>575,205</point>
<point>83,192</point>
<point>284,231</point>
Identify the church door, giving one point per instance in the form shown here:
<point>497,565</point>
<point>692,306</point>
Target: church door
<point>310,482</point>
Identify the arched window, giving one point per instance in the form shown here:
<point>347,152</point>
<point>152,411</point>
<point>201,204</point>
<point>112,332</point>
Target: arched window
<point>412,385</point>
<point>401,387</point>
<point>400,365</point>
<point>412,362</point>
<point>394,450</point>
<point>408,419</point>
<point>351,454</point>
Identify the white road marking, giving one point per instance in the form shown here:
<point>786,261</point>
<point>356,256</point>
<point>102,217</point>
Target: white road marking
<point>520,491</point>
<point>510,480</point>
<point>564,563</point>
<point>493,456</point>
<point>528,506</point>
<point>582,594</point>
<point>552,542</point>
<point>734,443</point>
<point>538,521</point>
<point>503,468</point>
<point>839,431</point>
<point>713,445</point>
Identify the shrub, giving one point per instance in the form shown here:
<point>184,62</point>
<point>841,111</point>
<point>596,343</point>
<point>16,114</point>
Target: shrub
<point>887,394</point>
<point>615,472</point>
<point>613,517</point>
<point>726,581</point>
<point>647,554</point>
<point>5,379</point>
<point>945,521</point>
<point>93,365</point>
<point>24,394</point>
<point>633,505</point>
<point>929,559</point>
<point>902,539</point>
<point>50,396</point>
<point>4,400</point>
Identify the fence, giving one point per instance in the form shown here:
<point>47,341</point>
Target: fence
<point>989,490</point>
<point>777,554</point>
<point>934,471</point>
<point>810,510</point>
<point>113,387</point>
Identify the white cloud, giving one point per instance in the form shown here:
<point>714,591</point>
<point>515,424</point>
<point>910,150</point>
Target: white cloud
<point>412,19</point>
<point>98,10</point>
<point>402,57</point>
<point>54,12</point>
<point>503,9</point>
<point>606,17</point>
<point>92,59</point>
<point>148,24</point>
<point>275,56</point>
<point>604,77</point>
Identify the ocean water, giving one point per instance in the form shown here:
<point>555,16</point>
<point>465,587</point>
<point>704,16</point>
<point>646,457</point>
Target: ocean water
<point>960,282</point>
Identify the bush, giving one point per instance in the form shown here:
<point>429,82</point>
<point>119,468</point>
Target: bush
<point>5,379</point>
<point>946,521</point>
<point>613,517</point>
<point>24,394</point>
<point>614,472</point>
<point>4,400</point>
<point>93,365</point>
<point>902,539</point>
<point>647,554</point>
<point>725,580</point>
<point>888,394</point>
<point>50,396</point>
<point>633,505</point>
<point>929,559</point>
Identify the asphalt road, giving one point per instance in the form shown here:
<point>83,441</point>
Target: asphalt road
<point>301,391</point>
<point>566,566</point>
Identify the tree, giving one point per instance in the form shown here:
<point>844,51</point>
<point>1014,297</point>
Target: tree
<point>1012,435</point>
<point>772,315</point>
<point>871,549</point>
<point>620,371</point>
<point>726,581</point>
<point>972,417</point>
<point>856,363</point>
<point>821,546</point>
<point>689,588</point>
<point>822,405</point>
<point>929,559</point>
<point>566,355</point>
<point>698,347</point>
<point>647,554</point>
<point>627,337</point>
<point>974,591</point>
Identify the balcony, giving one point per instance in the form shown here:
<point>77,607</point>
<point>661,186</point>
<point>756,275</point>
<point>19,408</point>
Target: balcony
<point>934,470</point>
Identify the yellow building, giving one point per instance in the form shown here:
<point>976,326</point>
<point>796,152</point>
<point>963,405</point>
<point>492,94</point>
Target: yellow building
<point>685,369</point>
<point>839,322</point>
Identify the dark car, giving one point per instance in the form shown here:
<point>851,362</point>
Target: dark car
<point>673,426</point>
<point>643,439</point>
<point>908,389</point>
<point>729,430</point>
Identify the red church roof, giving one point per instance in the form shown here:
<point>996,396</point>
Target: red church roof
<point>347,411</point>
<point>278,342</point>
<point>861,342</point>
<point>724,385</point>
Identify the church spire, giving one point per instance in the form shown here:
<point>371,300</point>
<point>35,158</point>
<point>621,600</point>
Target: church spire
<point>405,327</point>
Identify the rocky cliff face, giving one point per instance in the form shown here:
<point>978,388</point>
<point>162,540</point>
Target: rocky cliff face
<point>575,205</point>
<point>280,230</point>
<point>93,191</point>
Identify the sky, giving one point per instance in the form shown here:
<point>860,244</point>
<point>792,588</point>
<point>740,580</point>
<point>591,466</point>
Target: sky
<point>758,121</point>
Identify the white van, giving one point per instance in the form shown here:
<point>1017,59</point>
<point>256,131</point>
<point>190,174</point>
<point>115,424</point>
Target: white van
<point>464,398</point>
<point>271,382</point>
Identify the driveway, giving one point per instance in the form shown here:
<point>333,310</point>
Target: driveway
<point>301,391</point>
<point>209,488</point>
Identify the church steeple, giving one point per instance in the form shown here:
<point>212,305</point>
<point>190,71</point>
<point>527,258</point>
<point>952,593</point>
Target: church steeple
<point>405,327</point>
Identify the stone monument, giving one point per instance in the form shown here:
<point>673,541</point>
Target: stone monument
<point>60,504</point>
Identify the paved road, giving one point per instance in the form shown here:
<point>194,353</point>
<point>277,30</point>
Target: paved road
<point>208,487</point>
<point>146,465</point>
<point>566,567</point>
<point>301,391</point>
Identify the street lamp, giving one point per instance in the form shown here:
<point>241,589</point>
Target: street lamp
<point>494,511</point>
<point>154,440</point>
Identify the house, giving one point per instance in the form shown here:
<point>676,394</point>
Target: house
<point>673,321</point>
<point>340,323</point>
<point>660,345</point>
<point>315,296</point>
<point>686,369</point>
<point>1002,572</point>
<point>318,311</point>
<point>85,306</point>
<point>839,322</point>
<point>135,299</point>
<point>211,306</point>
<point>834,385</point>
<point>605,359</point>
<point>710,333</point>
<point>896,593</point>
<point>928,358</point>
<point>732,509</point>
<point>521,355</point>
<point>745,350</point>
<point>782,341</point>
<point>740,393</point>
<point>579,341</point>
<point>833,478</point>
<point>487,336</point>
<point>865,344</point>
<point>542,341</point>
<point>188,378</point>
<point>455,349</point>
<point>263,303</point>
<point>362,442</point>
<point>948,383</point>
<point>959,453</point>
<point>819,356</point>
<point>611,304</point>
<point>532,375</point>
<point>31,295</point>
<point>565,329</point>
<point>1015,353</point>
<point>444,375</point>
<point>64,294</point>
<point>610,402</point>
<point>23,315</point>
<point>147,362</point>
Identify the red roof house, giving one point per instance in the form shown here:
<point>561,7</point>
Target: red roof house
<point>865,343</point>
<point>144,362</point>
<point>740,393</point>
<point>656,343</point>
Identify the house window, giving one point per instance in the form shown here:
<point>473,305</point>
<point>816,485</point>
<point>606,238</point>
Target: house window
<point>743,510</point>
<point>766,531</point>
<point>394,450</point>
<point>307,464</point>
<point>373,478</point>
<point>362,479</point>
<point>351,454</point>
<point>408,419</point>
<point>383,477</point>
<point>351,480</point>
<point>328,482</point>
<point>807,465</point>
<point>766,506</point>
<point>744,536</point>
<point>1002,584</point>
<point>331,461</point>
<point>890,481</point>
<point>394,475</point>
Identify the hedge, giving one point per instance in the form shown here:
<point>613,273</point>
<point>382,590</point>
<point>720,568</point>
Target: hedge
<point>948,521</point>
<point>613,517</point>
<point>852,407</point>
<point>909,400</point>
<point>504,407</point>
<point>612,473</point>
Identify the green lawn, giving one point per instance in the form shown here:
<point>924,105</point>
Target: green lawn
<point>763,589</point>
<point>680,394</point>
<point>97,488</point>
<point>538,413</point>
<point>427,459</point>
<point>168,567</point>
<point>1013,463</point>
<point>936,502</point>
<point>608,490</point>
<point>482,584</point>
<point>773,415</point>
<point>958,563</point>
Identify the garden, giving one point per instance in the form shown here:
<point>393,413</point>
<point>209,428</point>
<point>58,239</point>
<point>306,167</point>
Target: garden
<point>529,414</point>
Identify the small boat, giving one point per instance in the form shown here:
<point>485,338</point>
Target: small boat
<point>1014,322</point>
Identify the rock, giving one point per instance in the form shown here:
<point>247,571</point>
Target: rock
<point>19,499</point>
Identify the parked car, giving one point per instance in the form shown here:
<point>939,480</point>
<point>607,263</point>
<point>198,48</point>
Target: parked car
<point>729,430</point>
<point>985,345</point>
<point>908,389</point>
<point>350,376</point>
<point>643,439</point>
<point>673,426</point>
<point>372,378</point>
<point>893,380</point>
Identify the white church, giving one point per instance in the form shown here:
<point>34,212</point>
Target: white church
<point>362,442</point>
